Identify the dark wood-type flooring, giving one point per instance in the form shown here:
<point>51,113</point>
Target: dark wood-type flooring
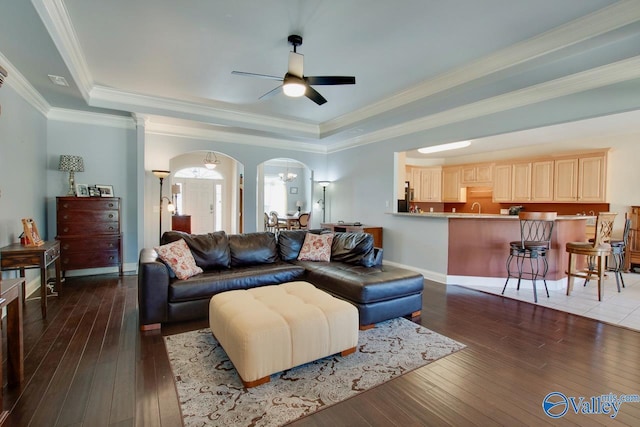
<point>88,364</point>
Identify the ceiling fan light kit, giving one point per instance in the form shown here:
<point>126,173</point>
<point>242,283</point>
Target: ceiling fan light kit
<point>294,82</point>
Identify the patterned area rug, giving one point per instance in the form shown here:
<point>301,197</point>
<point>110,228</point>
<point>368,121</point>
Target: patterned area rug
<point>211,393</point>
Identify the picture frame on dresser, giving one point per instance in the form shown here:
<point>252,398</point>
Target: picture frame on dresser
<point>82,190</point>
<point>93,191</point>
<point>105,190</point>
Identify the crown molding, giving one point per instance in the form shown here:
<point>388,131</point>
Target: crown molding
<point>23,88</point>
<point>55,18</point>
<point>88,118</point>
<point>591,79</point>
<point>597,23</point>
<point>184,131</point>
<point>110,98</point>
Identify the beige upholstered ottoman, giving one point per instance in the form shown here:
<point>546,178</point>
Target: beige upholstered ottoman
<point>272,328</point>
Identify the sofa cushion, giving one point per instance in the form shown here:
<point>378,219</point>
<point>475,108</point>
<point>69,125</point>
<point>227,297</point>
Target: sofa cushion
<point>361,284</point>
<point>353,248</point>
<point>316,247</point>
<point>253,248</point>
<point>290,242</point>
<point>210,283</point>
<point>210,251</point>
<point>178,256</point>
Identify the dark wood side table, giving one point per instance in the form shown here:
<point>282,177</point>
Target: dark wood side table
<point>20,257</point>
<point>11,297</point>
<point>181,223</point>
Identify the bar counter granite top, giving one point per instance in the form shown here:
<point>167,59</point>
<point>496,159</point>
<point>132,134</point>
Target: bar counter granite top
<point>467,215</point>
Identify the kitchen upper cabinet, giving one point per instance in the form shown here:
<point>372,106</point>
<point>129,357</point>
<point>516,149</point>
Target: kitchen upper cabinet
<point>542,181</point>
<point>426,183</point>
<point>475,174</point>
<point>523,182</point>
<point>431,186</point>
<point>521,178</point>
<point>502,183</point>
<point>452,190</point>
<point>581,179</point>
<point>592,172</point>
<point>565,187</point>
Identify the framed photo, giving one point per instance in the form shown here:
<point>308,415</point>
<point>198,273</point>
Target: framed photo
<point>93,191</point>
<point>293,190</point>
<point>31,234</point>
<point>82,190</point>
<point>105,190</point>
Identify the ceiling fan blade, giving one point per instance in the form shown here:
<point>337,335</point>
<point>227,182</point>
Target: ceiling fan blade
<point>330,80</point>
<point>296,64</point>
<point>262,76</point>
<point>314,95</point>
<point>271,92</point>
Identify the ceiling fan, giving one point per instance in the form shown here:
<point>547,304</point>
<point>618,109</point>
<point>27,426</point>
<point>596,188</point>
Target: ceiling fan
<point>294,82</point>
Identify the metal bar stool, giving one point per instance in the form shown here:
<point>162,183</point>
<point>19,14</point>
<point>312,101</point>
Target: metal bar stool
<point>535,241</point>
<point>599,249</point>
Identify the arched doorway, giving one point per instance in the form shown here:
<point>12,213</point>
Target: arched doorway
<point>210,196</point>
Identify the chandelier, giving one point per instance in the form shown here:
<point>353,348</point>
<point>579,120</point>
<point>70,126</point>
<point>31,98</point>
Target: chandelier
<point>211,160</point>
<point>287,176</point>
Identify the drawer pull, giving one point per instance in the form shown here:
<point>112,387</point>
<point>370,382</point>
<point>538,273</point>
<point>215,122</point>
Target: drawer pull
<point>66,229</point>
<point>111,258</point>
<point>66,217</point>
<point>65,246</point>
<point>110,245</point>
<point>110,215</point>
<point>110,228</point>
<point>110,205</point>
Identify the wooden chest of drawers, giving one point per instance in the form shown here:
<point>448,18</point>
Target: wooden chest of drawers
<point>89,232</point>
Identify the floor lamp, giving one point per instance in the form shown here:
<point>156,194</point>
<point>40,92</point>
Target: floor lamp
<point>162,175</point>
<point>324,185</point>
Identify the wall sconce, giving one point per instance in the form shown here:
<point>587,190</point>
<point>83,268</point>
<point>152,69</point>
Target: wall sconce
<point>71,164</point>
<point>162,174</point>
<point>324,185</point>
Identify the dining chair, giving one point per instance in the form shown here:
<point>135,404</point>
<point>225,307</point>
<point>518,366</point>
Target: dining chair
<point>303,222</point>
<point>276,224</point>
<point>536,229</point>
<point>596,252</point>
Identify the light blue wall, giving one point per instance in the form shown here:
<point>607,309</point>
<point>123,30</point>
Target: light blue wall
<point>109,155</point>
<point>23,181</point>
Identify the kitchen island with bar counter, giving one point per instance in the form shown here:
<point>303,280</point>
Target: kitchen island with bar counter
<point>478,244</point>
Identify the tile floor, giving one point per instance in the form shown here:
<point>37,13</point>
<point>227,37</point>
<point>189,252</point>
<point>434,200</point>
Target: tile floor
<point>621,309</point>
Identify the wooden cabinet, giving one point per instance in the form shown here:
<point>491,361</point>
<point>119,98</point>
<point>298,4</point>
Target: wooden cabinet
<point>181,223</point>
<point>581,179</point>
<point>477,174</point>
<point>521,182</point>
<point>502,183</point>
<point>89,232</point>
<point>452,190</point>
<point>592,179</point>
<point>565,187</point>
<point>542,181</point>
<point>426,184</point>
<point>431,185</point>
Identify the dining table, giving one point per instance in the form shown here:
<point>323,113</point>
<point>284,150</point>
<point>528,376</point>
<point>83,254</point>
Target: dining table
<point>290,221</point>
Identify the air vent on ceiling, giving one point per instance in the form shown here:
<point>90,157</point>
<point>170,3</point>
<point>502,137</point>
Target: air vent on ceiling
<point>58,80</point>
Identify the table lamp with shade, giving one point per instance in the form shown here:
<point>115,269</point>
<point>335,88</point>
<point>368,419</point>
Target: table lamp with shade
<point>72,164</point>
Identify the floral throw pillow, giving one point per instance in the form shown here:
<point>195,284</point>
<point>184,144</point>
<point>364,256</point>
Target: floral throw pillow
<point>316,247</point>
<point>178,256</point>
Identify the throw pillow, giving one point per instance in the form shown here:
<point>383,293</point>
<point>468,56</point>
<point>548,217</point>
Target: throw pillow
<point>316,247</point>
<point>178,256</point>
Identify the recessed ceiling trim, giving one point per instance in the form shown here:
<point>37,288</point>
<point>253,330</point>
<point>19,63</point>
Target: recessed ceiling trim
<point>84,117</point>
<point>597,23</point>
<point>55,17</point>
<point>23,88</point>
<point>591,79</point>
<point>115,99</point>
<point>184,131</point>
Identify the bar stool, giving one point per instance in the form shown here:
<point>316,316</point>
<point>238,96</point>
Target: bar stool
<point>618,252</point>
<point>535,241</point>
<point>599,249</point>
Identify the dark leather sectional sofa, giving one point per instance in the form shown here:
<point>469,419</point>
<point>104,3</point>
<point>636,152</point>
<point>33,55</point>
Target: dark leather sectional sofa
<point>242,261</point>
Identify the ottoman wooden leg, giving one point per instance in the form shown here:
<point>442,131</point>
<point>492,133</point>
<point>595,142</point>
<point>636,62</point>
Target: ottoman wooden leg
<point>259,381</point>
<point>416,314</point>
<point>367,327</point>
<point>348,351</point>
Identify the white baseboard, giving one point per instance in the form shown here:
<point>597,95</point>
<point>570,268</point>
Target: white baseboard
<point>428,274</point>
<point>477,281</point>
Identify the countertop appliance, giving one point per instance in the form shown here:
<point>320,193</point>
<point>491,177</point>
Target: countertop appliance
<point>515,210</point>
